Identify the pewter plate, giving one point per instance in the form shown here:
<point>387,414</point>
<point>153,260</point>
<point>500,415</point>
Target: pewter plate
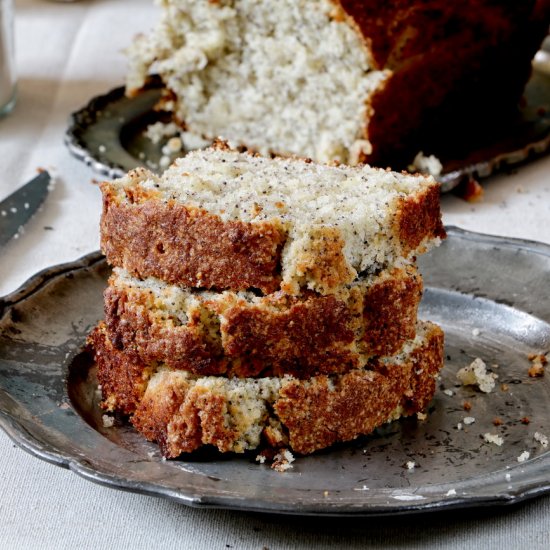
<point>499,287</point>
<point>108,134</point>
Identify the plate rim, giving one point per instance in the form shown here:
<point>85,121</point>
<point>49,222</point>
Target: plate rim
<point>534,480</point>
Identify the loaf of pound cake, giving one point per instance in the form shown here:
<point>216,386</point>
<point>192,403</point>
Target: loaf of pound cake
<point>182,411</point>
<point>241,334</point>
<point>219,219</point>
<point>344,80</point>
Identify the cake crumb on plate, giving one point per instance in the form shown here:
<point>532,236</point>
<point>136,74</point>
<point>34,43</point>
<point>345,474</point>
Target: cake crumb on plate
<point>475,374</point>
<point>493,438</point>
<point>524,456</point>
<point>282,461</point>
<point>108,421</point>
<point>541,438</point>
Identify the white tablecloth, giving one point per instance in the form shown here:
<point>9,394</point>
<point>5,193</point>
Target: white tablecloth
<point>67,53</point>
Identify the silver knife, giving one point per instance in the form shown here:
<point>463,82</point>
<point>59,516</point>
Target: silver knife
<point>17,209</point>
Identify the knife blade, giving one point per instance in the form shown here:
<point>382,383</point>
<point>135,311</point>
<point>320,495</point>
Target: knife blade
<point>19,207</point>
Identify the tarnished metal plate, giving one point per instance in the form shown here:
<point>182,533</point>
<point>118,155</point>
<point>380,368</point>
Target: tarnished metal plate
<point>489,294</point>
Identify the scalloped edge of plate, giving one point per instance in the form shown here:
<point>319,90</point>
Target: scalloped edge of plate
<point>534,482</point>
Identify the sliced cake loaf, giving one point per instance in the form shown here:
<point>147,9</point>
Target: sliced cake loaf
<point>346,80</point>
<point>182,411</point>
<point>265,301</point>
<point>219,219</point>
<point>212,333</point>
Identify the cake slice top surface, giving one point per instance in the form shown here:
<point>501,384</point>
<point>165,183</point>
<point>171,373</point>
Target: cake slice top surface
<point>245,187</point>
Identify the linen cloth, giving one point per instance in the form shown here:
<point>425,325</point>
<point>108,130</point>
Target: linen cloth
<point>67,53</point>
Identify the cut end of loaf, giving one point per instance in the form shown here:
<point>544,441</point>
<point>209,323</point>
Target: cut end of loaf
<point>339,80</point>
<point>231,65</point>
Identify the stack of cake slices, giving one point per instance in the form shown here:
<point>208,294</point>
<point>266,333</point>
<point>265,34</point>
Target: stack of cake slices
<point>265,303</point>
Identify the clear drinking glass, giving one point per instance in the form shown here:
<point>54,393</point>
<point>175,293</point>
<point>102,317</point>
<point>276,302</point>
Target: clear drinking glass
<point>7,58</point>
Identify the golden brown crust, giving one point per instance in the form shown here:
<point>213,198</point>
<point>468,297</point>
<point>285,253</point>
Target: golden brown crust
<point>362,404</point>
<point>312,335</point>
<point>123,377</point>
<point>424,362</point>
<point>418,218</point>
<point>315,413</point>
<point>188,246</point>
<point>182,418</point>
<point>158,410</point>
<point>389,311</point>
<point>277,335</point>
<point>133,326</point>
<point>318,415</point>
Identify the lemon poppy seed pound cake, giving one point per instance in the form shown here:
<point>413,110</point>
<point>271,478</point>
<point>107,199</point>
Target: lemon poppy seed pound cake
<point>346,80</point>
<point>265,303</point>
<point>219,219</point>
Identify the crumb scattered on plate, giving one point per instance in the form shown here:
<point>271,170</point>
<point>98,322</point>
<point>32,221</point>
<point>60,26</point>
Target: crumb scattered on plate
<point>538,358</point>
<point>108,421</point>
<point>470,190</point>
<point>475,374</point>
<point>283,460</point>
<point>493,438</point>
<point>524,456</point>
<point>541,438</point>
<point>469,420</point>
<point>538,361</point>
<point>536,370</point>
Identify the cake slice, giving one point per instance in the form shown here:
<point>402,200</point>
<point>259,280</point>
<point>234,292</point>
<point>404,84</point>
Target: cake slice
<point>342,80</point>
<point>219,219</point>
<point>239,333</point>
<point>182,411</point>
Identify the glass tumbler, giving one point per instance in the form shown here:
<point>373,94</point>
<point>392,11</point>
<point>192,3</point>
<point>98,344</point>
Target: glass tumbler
<point>7,60</point>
